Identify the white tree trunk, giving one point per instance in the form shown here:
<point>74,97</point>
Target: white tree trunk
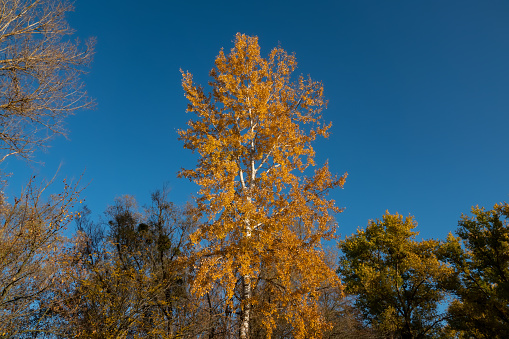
<point>246,311</point>
<point>246,279</point>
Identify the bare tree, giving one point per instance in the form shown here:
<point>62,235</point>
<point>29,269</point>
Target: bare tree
<point>40,70</point>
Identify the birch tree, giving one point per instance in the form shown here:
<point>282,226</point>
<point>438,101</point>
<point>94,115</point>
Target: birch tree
<point>253,133</point>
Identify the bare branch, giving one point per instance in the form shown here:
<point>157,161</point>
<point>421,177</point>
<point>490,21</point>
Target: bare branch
<point>40,71</point>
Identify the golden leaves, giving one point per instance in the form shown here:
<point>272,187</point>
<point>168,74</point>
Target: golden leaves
<point>264,220</point>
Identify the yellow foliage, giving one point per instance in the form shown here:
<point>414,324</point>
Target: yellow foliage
<point>263,218</point>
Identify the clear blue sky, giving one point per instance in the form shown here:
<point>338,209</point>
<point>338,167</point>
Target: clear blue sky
<point>418,95</point>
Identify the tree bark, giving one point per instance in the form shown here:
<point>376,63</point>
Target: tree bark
<point>246,310</point>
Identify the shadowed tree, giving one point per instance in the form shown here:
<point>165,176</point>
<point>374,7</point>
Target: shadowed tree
<point>127,276</point>
<point>480,258</point>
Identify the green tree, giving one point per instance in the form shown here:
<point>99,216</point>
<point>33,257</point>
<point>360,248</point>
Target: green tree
<point>254,134</point>
<point>480,258</point>
<point>396,279</point>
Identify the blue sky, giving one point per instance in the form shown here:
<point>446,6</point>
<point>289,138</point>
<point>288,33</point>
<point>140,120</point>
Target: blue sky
<point>417,90</point>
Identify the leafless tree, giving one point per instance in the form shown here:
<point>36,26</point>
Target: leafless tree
<point>40,73</point>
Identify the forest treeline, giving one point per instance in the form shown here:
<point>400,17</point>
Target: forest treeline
<point>246,258</point>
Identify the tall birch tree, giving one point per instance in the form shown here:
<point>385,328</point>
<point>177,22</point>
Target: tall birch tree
<point>253,133</point>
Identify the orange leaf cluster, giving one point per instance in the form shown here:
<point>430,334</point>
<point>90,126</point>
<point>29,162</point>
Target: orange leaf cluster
<point>264,218</point>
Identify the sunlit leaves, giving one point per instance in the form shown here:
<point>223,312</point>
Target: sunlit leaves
<point>31,245</point>
<point>253,134</point>
<point>397,279</point>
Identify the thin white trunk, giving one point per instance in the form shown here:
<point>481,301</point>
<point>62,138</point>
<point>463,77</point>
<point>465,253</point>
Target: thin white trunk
<point>246,293</point>
<point>246,312</point>
<point>246,279</point>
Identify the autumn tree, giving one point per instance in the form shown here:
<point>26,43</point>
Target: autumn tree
<point>40,85</point>
<point>40,70</point>
<point>127,280</point>
<point>480,258</point>
<point>253,133</point>
<point>396,279</point>
<point>31,244</point>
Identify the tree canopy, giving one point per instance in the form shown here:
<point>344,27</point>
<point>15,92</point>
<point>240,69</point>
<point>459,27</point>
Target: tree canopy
<point>480,258</point>
<point>252,255</point>
<point>253,133</point>
<point>395,278</point>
